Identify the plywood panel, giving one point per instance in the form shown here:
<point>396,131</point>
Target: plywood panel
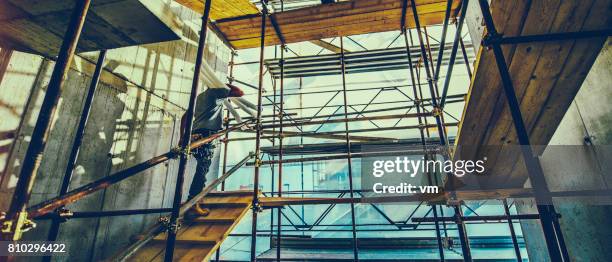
<point>221,9</point>
<point>331,20</point>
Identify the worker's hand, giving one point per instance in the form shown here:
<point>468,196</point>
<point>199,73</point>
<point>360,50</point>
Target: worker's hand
<point>235,91</point>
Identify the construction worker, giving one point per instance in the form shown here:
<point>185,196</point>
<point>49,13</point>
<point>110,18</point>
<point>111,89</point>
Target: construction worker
<point>207,120</point>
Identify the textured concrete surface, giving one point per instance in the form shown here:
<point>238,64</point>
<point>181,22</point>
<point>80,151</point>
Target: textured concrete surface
<point>585,222</point>
<point>134,116</point>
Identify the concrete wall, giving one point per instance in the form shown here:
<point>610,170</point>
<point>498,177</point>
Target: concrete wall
<point>585,222</point>
<point>135,116</point>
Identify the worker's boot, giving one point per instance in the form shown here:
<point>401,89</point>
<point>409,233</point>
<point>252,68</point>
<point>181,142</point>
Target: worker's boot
<point>195,212</point>
<point>201,211</point>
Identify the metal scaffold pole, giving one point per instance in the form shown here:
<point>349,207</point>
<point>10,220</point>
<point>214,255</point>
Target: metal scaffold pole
<point>348,150</point>
<point>226,138</point>
<point>227,119</point>
<point>422,134</point>
<point>453,55</point>
<point>437,112</point>
<point>17,215</point>
<point>548,215</point>
<point>517,249</point>
<point>78,139</point>
<point>280,152</point>
<point>174,225</point>
<point>264,14</point>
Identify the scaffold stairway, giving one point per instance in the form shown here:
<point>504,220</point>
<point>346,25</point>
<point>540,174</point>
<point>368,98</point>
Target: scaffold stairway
<point>199,237</point>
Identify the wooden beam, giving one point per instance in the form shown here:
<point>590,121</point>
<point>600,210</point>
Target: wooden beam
<point>546,77</point>
<point>222,9</point>
<point>330,20</point>
<point>329,46</point>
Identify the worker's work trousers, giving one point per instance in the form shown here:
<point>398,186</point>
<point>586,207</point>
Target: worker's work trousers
<point>203,156</point>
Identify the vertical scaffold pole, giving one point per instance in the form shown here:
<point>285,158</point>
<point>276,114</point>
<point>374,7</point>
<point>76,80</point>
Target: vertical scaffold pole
<point>348,150</point>
<point>517,249</point>
<point>280,147</point>
<point>226,138</point>
<point>173,225</point>
<point>548,215</point>
<point>417,102</point>
<point>78,139</point>
<point>280,152</point>
<point>272,157</point>
<point>264,13</point>
<point>31,162</point>
<point>437,112</point>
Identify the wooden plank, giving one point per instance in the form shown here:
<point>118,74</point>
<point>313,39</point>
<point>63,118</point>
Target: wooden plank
<point>215,220</point>
<point>569,18</point>
<point>485,88</point>
<point>568,80</point>
<point>188,240</point>
<point>221,9</point>
<point>291,22</point>
<point>546,77</point>
<point>329,46</point>
<point>323,21</point>
<point>521,68</point>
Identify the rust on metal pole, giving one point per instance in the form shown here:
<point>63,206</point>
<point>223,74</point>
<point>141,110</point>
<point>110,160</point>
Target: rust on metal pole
<point>85,190</point>
<point>264,13</point>
<point>78,139</point>
<point>31,162</point>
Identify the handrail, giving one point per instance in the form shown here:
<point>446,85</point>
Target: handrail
<point>82,191</point>
<point>154,230</point>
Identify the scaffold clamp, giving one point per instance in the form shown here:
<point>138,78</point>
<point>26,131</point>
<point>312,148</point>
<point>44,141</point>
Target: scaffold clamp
<point>436,111</point>
<point>63,214</point>
<point>177,151</point>
<point>491,38</point>
<point>20,225</point>
<point>257,162</point>
<point>257,207</point>
<point>174,227</point>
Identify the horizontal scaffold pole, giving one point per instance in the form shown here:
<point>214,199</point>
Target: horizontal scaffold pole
<point>432,198</point>
<point>312,135</point>
<point>334,134</point>
<point>331,121</point>
<point>85,190</point>
<point>474,218</point>
<point>345,156</point>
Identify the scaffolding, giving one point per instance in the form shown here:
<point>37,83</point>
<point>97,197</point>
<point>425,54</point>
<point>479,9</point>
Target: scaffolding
<point>413,58</point>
